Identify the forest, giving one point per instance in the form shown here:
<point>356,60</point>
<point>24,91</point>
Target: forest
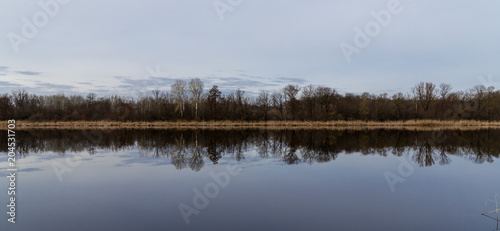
<point>189,101</point>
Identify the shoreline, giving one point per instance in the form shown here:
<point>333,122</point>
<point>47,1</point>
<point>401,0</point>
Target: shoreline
<point>215,125</point>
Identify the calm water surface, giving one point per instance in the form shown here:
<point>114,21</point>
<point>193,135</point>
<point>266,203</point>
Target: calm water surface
<point>253,180</point>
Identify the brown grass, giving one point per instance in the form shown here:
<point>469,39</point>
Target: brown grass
<point>336,125</point>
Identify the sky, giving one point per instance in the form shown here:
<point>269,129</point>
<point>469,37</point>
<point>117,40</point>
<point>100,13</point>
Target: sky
<point>132,47</point>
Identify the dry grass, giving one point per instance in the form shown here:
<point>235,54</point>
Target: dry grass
<point>334,125</point>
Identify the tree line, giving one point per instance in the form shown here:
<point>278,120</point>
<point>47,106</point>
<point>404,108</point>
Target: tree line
<point>189,101</point>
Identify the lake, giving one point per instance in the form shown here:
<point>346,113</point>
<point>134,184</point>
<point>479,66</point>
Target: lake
<point>253,179</point>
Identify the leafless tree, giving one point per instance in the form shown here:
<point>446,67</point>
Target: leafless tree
<point>291,92</point>
<point>425,94</point>
<point>196,89</point>
<point>179,91</point>
<point>444,90</point>
<point>308,95</point>
<point>277,99</point>
<point>263,103</point>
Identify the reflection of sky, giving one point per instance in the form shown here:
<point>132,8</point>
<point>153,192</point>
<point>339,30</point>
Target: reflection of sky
<point>125,191</point>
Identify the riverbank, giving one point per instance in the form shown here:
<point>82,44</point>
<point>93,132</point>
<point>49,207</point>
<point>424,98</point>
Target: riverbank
<point>336,125</point>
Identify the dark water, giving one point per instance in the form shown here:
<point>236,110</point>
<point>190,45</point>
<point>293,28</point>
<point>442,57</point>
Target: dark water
<point>253,180</point>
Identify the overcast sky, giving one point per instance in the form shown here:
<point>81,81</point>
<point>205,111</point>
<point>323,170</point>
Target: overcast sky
<point>130,47</point>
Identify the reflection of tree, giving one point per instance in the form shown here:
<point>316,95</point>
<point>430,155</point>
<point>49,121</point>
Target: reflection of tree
<point>480,157</point>
<point>238,154</point>
<point>190,148</point>
<point>318,149</point>
<point>443,158</point>
<point>213,152</point>
<point>179,159</point>
<point>277,144</point>
<point>481,150</point>
<point>423,153</point>
<point>426,152</point>
<point>263,145</point>
<point>291,156</point>
<point>91,151</point>
<point>196,160</point>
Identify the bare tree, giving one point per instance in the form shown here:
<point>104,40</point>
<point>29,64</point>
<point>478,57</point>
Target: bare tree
<point>326,98</point>
<point>180,93</point>
<point>214,95</point>
<point>240,98</point>
<point>6,107</point>
<point>156,95</point>
<point>444,90</point>
<point>291,92</point>
<point>480,92</point>
<point>156,103</point>
<point>196,89</point>
<point>277,99</point>
<point>91,98</point>
<point>20,99</point>
<point>308,95</point>
<point>425,94</point>
<point>263,103</point>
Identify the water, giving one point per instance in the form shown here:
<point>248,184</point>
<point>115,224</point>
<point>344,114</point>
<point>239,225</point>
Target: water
<point>253,180</point>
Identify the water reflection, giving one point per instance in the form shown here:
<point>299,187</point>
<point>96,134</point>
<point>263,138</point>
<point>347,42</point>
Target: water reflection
<point>490,214</point>
<point>195,148</point>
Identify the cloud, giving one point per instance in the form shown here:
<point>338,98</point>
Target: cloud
<point>230,79</point>
<point>51,86</point>
<point>250,84</point>
<point>3,70</point>
<point>290,80</point>
<point>84,83</point>
<point>141,83</point>
<point>31,170</point>
<point>121,77</point>
<point>29,72</point>
<point>234,82</point>
<point>38,87</point>
<point>139,87</point>
<point>5,84</point>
